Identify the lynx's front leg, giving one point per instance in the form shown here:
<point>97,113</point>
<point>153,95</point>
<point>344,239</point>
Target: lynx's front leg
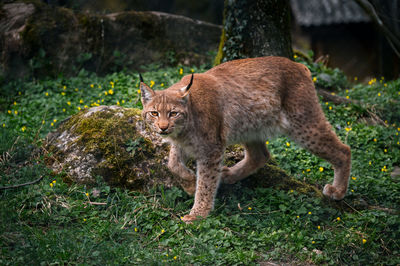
<point>176,164</point>
<point>208,177</point>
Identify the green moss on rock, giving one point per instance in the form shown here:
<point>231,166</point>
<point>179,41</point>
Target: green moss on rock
<point>99,142</point>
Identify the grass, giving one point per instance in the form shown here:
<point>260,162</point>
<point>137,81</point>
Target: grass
<point>52,222</point>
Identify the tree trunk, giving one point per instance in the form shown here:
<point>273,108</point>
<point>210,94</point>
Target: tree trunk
<point>255,28</point>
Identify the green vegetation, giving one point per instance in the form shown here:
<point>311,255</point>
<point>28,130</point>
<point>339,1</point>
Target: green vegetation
<point>55,222</point>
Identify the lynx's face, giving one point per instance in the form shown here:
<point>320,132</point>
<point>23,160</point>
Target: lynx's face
<point>165,111</point>
<point>165,115</point>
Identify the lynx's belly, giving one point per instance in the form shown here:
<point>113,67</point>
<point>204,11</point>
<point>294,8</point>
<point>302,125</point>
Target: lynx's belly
<point>258,126</point>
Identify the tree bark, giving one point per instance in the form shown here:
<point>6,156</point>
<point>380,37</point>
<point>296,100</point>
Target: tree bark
<point>255,28</point>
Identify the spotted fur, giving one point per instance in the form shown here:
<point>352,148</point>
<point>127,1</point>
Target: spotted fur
<point>243,101</point>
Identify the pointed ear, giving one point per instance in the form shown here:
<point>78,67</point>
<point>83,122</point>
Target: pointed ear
<point>146,92</point>
<point>185,90</point>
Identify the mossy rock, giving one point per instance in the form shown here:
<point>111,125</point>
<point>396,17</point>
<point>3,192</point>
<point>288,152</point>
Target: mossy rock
<point>113,143</point>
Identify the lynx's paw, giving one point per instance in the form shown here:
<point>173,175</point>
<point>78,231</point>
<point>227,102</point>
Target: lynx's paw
<point>226,176</point>
<point>188,186</point>
<point>333,193</point>
<point>190,218</point>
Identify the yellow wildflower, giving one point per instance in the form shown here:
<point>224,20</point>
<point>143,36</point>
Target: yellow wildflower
<point>288,144</point>
<point>295,56</point>
<point>79,108</point>
<point>249,208</point>
<point>46,93</point>
<point>338,218</point>
<point>348,129</point>
<point>138,91</point>
<point>364,241</point>
<point>267,142</point>
<point>84,219</point>
<point>152,83</point>
<point>123,101</point>
<point>63,93</point>
<point>355,78</point>
<point>330,107</point>
<point>9,111</point>
<point>162,231</point>
<point>379,94</point>
<point>181,71</point>
<point>52,124</point>
<point>136,229</point>
<point>55,120</point>
<point>16,112</point>
<point>15,103</point>
<point>80,101</point>
<point>313,242</point>
<point>319,227</point>
<point>91,86</point>
<point>175,257</point>
<point>321,169</point>
<point>51,184</point>
<point>110,91</point>
<point>87,194</point>
<point>23,128</point>
<point>314,79</point>
<point>354,178</point>
<point>65,87</point>
<point>64,110</point>
<point>309,213</point>
<point>69,103</point>
<point>4,125</point>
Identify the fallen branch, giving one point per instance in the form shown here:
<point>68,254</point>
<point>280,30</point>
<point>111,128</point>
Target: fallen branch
<point>329,97</point>
<point>25,184</point>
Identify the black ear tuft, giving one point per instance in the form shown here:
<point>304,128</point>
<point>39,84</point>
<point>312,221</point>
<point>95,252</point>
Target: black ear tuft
<point>140,77</point>
<point>190,83</point>
<point>185,91</point>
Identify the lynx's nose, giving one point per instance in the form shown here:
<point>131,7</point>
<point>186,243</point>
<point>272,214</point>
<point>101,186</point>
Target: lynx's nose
<point>163,127</point>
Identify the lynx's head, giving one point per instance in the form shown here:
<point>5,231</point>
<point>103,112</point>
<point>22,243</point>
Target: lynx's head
<point>165,111</point>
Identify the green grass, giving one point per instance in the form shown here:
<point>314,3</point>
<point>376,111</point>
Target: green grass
<point>54,222</point>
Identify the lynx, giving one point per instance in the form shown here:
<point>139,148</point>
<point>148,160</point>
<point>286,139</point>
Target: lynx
<point>243,101</point>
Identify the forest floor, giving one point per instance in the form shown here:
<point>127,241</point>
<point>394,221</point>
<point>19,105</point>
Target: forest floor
<point>54,222</point>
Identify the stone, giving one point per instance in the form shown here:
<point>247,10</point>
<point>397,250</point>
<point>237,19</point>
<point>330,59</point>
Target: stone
<point>40,40</point>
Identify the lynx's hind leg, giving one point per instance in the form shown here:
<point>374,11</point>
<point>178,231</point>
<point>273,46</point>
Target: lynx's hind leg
<point>316,135</point>
<point>256,154</point>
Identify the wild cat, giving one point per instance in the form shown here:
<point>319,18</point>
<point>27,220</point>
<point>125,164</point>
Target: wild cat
<point>243,101</point>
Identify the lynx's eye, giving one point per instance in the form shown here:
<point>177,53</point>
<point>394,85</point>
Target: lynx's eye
<point>154,113</point>
<point>173,114</point>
